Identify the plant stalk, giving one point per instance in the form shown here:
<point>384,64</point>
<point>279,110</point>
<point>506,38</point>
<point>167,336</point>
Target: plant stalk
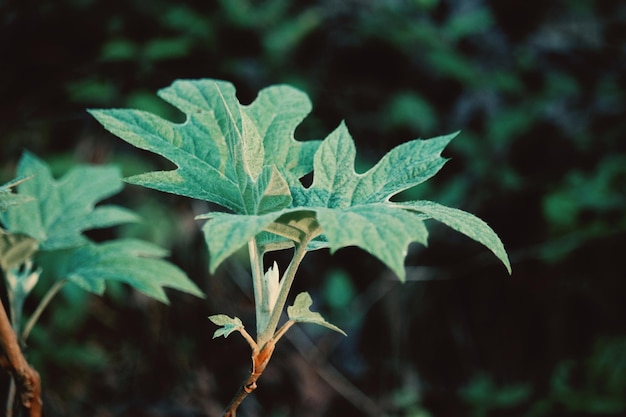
<point>285,285</point>
<point>26,378</point>
<point>260,359</point>
<point>256,265</point>
<point>267,336</point>
<point>40,308</point>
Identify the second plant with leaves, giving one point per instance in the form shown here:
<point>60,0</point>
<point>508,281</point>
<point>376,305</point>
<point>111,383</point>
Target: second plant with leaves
<point>246,159</point>
<point>42,239</point>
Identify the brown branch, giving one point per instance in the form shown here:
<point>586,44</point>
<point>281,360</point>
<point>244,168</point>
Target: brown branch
<point>26,378</point>
<point>260,360</point>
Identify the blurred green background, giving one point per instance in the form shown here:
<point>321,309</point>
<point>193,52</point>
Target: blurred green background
<point>537,89</point>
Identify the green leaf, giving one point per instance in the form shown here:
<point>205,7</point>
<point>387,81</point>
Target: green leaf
<point>343,204</point>
<point>463,222</point>
<point>8,198</point>
<point>108,216</point>
<point>228,325</point>
<point>271,192</point>
<point>15,249</point>
<point>337,185</point>
<point>300,312</point>
<point>245,158</point>
<point>223,147</point>
<point>382,230</point>
<point>355,209</point>
<point>227,233</point>
<point>62,209</point>
<point>134,262</point>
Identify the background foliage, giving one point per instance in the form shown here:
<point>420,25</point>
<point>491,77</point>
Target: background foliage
<point>537,89</point>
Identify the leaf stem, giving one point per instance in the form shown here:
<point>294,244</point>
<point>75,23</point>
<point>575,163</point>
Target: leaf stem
<point>256,264</point>
<point>260,359</point>
<point>52,291</point>
<point>283,329</point>
<point>249,339</point>
<point>285,286</point>
<point>25,376</point>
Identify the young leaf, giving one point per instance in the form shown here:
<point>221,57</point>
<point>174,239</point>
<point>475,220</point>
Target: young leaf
<point>227,325</point>
<point>223,147</point>
<point>271,281</point>
<point>8,198</point>
<point>300,312</point>
<point>130,261</point>
<point>61,210</point>
<point>15,249</point>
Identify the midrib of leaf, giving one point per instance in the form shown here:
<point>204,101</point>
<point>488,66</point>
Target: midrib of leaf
<point>252,170</point>
<point>241,161</point>
<point>239,149</point>
<point>199,167</point>
<point>146,131</point>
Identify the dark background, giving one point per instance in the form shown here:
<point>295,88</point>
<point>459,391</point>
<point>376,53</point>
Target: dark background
<point>537,89</point>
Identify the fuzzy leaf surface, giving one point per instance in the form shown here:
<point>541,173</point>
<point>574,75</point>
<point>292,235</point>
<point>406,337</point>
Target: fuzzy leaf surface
<point>300,312</point>
<point>59,211</point>
<point>351,209</point>
<point>242,157</point>
<point>134,262</point>
<point>245,158</point>
<point>465,223</point>
<point>355,209</point>
<point>227,325</point>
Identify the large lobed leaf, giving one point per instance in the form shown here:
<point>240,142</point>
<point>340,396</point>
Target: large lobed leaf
<point>246,159</point>
<point>355,209</point>
<point>225,152</point>
<point>50,225</point>
<point>58,212</point>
